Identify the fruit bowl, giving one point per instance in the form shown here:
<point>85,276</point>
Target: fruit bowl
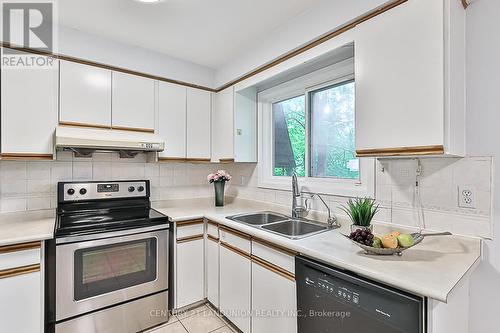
<point>417,238</point>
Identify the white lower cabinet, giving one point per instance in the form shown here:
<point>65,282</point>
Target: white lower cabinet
<point>274,301</point>
<point>20,290</point>
<point>212,252</point>
<point>189,271</point>
<point>235,287</point>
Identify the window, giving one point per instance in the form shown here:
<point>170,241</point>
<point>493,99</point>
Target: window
<point>308,127</point>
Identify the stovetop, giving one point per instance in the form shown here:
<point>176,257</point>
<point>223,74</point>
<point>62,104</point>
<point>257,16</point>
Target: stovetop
<point>104,207</point>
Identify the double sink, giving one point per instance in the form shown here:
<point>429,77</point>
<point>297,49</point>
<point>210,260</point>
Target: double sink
<point>280,224</point>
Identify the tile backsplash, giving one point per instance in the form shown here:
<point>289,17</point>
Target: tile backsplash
<point>31,185</point>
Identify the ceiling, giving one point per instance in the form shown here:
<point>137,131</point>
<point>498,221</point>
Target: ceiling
<point>209,33</point>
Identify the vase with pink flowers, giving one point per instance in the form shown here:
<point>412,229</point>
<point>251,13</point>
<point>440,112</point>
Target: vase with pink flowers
<point>219,179</point>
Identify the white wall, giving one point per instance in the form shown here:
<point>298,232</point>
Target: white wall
<point>317,21</point>
<point>91,47</point>
<point>483,137</point>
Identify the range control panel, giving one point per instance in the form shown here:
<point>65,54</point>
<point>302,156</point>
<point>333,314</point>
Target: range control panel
<point>102,190</point>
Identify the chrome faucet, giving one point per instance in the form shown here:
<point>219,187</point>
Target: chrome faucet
<point>300,210</point>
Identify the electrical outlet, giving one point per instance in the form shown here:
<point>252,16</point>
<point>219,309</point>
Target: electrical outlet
<point>466,196</point>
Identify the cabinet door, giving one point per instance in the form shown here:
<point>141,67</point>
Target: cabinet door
<point>190,284</point>
<point>29,110</point>
<point>399,58</point>
<point>20,304</point>
<point>133,102</point>
<point>273,293</point>
<point>223,125</point>
<point>235,288</point>
<point>198,124</point>
<point>172,119</point>
<point>213,271</point>
<point>85,94</point>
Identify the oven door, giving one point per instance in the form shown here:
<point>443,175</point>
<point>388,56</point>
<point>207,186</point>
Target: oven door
<point>94,274</point>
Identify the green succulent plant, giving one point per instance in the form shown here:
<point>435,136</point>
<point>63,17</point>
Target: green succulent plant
<point>361,210</point>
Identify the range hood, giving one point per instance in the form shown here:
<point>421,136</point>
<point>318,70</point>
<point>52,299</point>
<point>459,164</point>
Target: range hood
<point>84,141</point>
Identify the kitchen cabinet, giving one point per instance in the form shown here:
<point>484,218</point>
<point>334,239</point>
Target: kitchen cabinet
<point>234,126</point>
<point>133,104</point>
<point>212,270</point>
<point>172,119</point>
<point>29,111</point>
<point>235,279</point>
<point>21,289</point>
<point>190,257</point>
<point>273,289</point>
<point>410,80</point>
<point>85,95</point>
<point>198,124</point>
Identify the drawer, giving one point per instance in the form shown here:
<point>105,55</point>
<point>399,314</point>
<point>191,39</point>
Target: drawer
<point>235,239</point>
<point>16,256</point>
<point>189,228</point>
<point>282,258</point>
<point>213,229</point>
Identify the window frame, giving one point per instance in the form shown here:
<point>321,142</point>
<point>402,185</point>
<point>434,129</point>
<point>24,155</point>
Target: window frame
<point>304,85</point>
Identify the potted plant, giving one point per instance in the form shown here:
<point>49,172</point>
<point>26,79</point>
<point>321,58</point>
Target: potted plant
<point>361,211</point>
<point>219,179</point>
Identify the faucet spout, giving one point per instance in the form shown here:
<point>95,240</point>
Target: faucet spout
<point>295,195</point>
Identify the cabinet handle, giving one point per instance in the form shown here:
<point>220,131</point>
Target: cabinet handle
<point>235,250</point>
<point>189,239</point>
<point>189,222</point>
<point>19,247</point>
<point>273,268</point>
<point>11,272</point>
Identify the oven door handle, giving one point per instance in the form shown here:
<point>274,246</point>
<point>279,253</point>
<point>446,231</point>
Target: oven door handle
<point>111,234</point>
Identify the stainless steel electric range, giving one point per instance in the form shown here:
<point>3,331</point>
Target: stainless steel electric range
<point>107,266</point>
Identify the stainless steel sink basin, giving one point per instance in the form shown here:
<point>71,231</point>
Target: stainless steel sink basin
<point>259,218</point>
<point>295,228</point>
<point>281,224</point>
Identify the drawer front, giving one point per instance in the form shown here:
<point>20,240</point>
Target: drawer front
<point>190,228</point>
<point>16,259</point>
<point>235,239</point>
<point>212,229</point>
<point>274,256</point>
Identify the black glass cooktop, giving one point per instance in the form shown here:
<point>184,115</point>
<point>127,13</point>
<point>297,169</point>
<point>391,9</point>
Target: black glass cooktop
<point>109,219</point>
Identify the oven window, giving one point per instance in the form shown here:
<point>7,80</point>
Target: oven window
<point>106,268</point>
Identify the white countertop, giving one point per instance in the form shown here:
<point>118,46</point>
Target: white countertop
<point>23,227</point>
<point>432,268</point>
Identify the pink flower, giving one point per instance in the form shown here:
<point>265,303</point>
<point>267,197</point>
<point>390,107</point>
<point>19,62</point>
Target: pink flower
<point>210,177</point>
<point>220,175</point>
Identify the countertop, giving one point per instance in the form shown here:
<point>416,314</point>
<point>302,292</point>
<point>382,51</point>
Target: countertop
<point>432,268</point>
<point>23,227</point>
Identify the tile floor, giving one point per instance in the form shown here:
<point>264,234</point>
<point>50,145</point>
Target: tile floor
<point>198,320</point>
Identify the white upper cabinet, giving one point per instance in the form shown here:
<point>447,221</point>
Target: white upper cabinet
<point>234,125</point>
<point>223,125</point>
<point>133,102</point>
<point>410,80</point>
<point>29,111</point>
<point>172,119</point>
<point>198,124</point>
<point>85,94</point>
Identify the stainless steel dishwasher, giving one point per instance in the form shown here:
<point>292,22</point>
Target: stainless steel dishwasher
<point>333,300</point>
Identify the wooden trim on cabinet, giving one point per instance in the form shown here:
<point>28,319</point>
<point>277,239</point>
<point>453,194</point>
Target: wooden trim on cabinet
<point>133,129</point>
<point>105,66</point>
<point>235,232</point>
<point>236,250</point>
<point>275,247</point>
<point>226,160</point>
<point>212,238</point>
<point>11,272</point>
<point>77,124</point>
<point>213,223</point>
<point>273,268</point>
<point>172,159</point>
<point>20,247</point>
<point>402,151</point>
<point>25,156</point>
<point>199,160</point>
<point>189,238</point>
<point>188,222</point>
